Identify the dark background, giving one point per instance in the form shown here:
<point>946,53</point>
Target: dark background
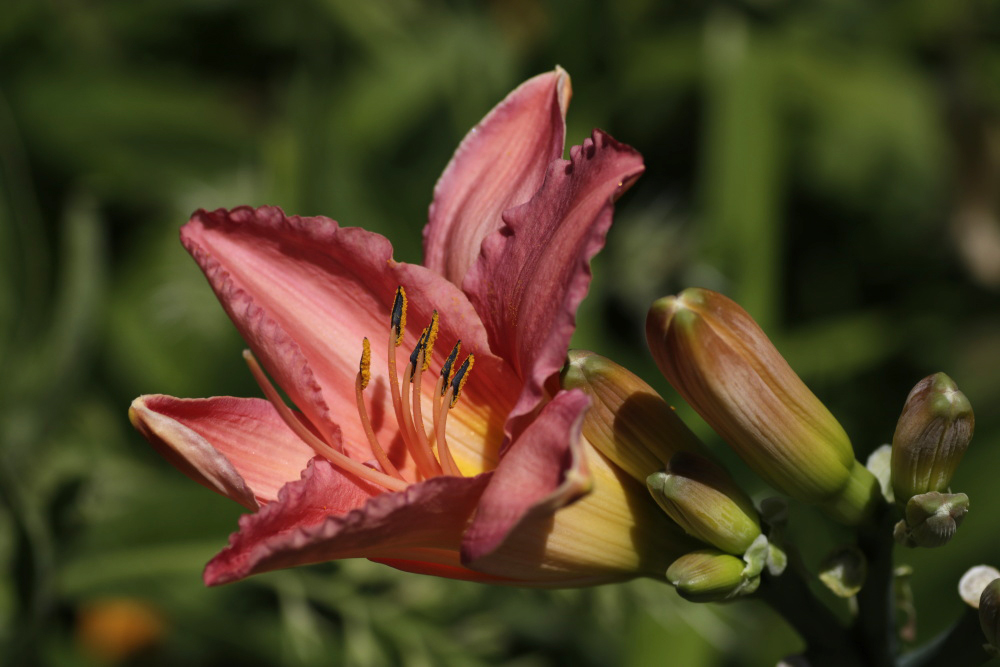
<point>833,166</point>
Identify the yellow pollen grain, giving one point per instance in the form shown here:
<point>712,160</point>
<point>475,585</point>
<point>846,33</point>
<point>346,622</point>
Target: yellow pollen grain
<point>432,334</point>
<point>366,363</point>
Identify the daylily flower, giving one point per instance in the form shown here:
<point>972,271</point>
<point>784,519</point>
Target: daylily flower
<point>478,471</point>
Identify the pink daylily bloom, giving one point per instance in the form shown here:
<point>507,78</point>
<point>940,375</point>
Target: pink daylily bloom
<point>423,462</point>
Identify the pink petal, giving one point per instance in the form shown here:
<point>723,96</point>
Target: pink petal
<point>446,564</point>
<point>613,533</point>
<point>533,273</point>
<point>500,163</point>
<point>304,292</point>
<point>542,471</point>
<point>328,515</point>
<point>238,447</point>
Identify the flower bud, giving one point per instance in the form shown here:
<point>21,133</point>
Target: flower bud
<point>989,616</point>
<point>931,519</point>
<point>628,421</point>
<point>705,501</point>
<point>723,364</point>
<point>844,571</point>
<point>974,582</point>
<point>931,437</point>
<point>708,575</point>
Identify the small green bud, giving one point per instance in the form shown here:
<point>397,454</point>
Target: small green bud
<point>844,571</point>
<point>705,501</point>
<point>931,519</point>
<point>931,437</point>
<point>989,616</point>
<point>709,575</point>
<point>627,421</point>
<point>723,364</point>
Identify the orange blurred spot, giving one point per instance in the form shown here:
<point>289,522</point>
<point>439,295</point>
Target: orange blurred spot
<point>114,629</point>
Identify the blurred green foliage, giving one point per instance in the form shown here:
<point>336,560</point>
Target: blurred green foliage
<point>833,166</point>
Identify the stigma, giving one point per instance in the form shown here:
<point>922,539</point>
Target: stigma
<point>428,449</point>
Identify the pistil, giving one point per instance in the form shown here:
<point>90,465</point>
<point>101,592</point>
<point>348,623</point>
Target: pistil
<point>322,448</point>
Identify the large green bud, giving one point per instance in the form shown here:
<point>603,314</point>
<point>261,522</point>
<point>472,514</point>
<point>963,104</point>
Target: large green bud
<point>627,421</point>
<point>931,437</point>
<point>705,501</point>
<point>724,365</point>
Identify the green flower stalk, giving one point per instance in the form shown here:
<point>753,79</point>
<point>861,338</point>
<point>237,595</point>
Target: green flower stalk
<point>723,364</point>
<point>628,421</point>
<point>705,501</point>
<point>931,437</point>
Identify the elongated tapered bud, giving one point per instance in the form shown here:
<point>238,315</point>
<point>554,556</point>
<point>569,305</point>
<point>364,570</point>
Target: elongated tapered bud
<point>931,437</point>
<point>628,421</point>
<point>723,364</point>
<point>708,575</point>
<point>705,501</point>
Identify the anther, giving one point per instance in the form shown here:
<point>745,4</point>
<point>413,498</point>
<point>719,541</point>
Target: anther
<point>447,367</point>
<point>398,317</point>
<point>430,339</point>
<point>461,375</point>
<point>421,344</point>
<point>366,364</point>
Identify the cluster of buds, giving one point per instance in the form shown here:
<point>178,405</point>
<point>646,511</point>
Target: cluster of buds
<point>639,432</point>
<point>707,503</point>
<point>931,437</point>
<point>726,368</point>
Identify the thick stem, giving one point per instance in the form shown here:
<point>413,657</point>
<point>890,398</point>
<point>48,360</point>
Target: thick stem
<point>828,643</point>
<point>875,626</point>
<point>961,644</point>
<point>858,500</point>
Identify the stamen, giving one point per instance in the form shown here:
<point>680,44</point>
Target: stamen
<point>418,417</point>
<point>407,406</point>
<point>442,384</point>
<point>360,384</point>
<point>440,420</point>
<point>461,376</point>
<point>421,451</point>
<point>322,448</point>
<point>398,317</point>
